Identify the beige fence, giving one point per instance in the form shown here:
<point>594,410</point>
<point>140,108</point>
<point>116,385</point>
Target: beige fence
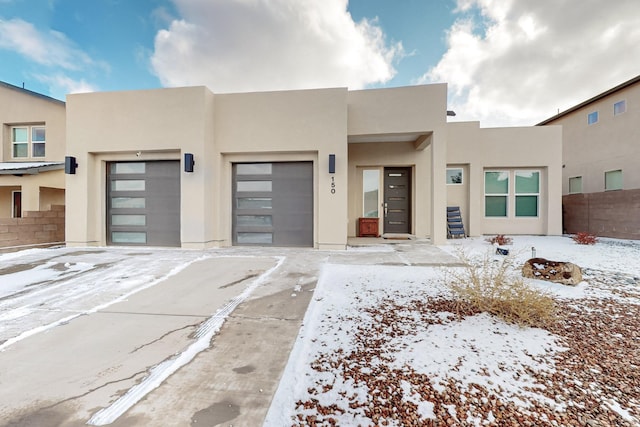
<point>35,228</point>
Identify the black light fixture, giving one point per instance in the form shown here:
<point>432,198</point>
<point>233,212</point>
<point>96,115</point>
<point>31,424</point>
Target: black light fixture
<point>188,162</point>
<point>332,163</point>
<point>451,113</point>
<point>70,165</point>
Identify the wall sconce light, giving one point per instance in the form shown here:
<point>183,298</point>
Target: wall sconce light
<point>332,163</point>
<point>188,162</point>
<point>70,165</point>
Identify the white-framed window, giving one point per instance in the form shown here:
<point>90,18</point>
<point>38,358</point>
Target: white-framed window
<point>527,191</point>
<point>619,107</point>
<point>28,141</point>
<point>506,188</point>
<point>496,193</point>
<point>370,193</point>
<point>455,176</point>
<point>38,141</point>
<point>592,118</point>
<point>575,185</point>
<point>613,180</point>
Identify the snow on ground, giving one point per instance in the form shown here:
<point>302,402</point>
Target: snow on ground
<point>43,288</point>
<point>387,345</point>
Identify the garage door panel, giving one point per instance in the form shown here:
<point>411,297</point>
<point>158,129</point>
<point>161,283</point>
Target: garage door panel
<point>143,202</point>
<point>273,209</point>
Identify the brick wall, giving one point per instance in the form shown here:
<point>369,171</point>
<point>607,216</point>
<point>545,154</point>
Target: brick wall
<point>35,228</point>
<point>607,214</point>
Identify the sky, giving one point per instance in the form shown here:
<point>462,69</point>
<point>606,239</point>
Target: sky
<point>506,62</point>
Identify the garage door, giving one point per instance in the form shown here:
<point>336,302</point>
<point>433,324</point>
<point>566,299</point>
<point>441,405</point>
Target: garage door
<point>143,203</point>
<point>273,204</point>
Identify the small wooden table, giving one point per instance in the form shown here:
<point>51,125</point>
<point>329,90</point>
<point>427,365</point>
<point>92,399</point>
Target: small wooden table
<point>368,227</point>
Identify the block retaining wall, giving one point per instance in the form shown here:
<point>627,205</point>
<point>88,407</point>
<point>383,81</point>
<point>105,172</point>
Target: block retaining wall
<point>607,214</point>
<point>35,228</point>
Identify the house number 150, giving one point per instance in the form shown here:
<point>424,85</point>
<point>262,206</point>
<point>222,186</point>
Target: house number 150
<point>333,185</point>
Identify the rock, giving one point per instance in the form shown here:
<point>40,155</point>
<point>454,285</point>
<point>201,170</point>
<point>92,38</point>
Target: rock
<point>553,271</point>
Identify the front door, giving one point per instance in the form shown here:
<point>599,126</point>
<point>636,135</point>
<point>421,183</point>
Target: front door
<point>397,200</point>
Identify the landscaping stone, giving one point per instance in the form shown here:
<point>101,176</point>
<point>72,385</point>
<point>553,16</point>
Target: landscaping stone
<point>566,273</point>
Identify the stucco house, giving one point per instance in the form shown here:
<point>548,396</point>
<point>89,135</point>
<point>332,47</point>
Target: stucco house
<point>189,168</point>
<point>32,177</point>
<point>600,175</point>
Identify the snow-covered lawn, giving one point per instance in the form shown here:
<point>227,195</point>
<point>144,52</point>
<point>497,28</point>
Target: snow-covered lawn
<point>388,345</point>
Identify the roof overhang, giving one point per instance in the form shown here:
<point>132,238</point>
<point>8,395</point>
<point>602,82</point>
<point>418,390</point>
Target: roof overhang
<point>29,168</point>
<point>420,140</point>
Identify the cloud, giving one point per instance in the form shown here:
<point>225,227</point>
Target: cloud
<point>49,48</point>
<point>250,45</point>
<point>517,62</point>
<point>60,84</point>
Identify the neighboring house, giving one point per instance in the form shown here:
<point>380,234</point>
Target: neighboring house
<point>601,153</point>
<point>32,177</point>
<point>186,167</point>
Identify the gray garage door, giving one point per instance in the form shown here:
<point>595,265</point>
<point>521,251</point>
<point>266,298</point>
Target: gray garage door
<point>273,204</point>
<point>143,203</point>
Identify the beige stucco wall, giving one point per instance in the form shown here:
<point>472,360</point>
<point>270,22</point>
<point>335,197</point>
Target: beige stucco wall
<point>23,108</point>
<point>610,144</point>
<point>19,107</point>
<point>304,125</point>
<point>137,125</point>
<point>219,130</point>
<point>534,148</point>
<point>385,113</point>
<point>32,187</point>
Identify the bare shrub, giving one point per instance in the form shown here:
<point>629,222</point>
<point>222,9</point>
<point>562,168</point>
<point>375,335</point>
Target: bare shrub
<point>500,239</point>
<point>488,285</point>
<point>584,238</point>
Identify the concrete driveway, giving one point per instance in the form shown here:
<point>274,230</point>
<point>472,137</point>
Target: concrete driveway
<point>128,337</point>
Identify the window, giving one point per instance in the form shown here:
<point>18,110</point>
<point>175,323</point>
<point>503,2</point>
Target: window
<point>21,136</point>
<point>20,142</point>
<point>613,180</point>
<point>128,167</point>
<point>592,118</point>
<point>38,141</point>
<point>454,176</point>
<point>619,107</point>
<point>370,191</point>
<point>496,190</point>
<point>575,185</point>
<point>251,186</point>
<point>527,193</point>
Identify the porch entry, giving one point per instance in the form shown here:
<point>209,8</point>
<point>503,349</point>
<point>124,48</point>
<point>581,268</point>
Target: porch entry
<point>397,200</point>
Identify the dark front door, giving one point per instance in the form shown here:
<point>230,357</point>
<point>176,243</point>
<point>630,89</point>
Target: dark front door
<point>397,200</point>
